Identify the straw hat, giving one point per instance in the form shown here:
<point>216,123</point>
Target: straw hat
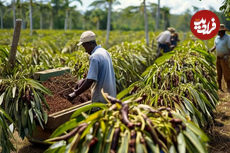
<point>222,28</point>
<point>171,29</point>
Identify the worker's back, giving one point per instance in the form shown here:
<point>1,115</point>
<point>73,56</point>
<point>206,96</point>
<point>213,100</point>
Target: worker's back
<point>164,37</point>
<point>101,70</point>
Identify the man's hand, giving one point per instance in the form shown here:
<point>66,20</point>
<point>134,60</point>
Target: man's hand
<point>71,96</point>
<point>85,85</point>
<point>212,49</point>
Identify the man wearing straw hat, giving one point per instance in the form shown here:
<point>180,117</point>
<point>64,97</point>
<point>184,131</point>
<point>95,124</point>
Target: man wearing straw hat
<point>101,73</point>
<point>222,47</point>
<point>163,40</point>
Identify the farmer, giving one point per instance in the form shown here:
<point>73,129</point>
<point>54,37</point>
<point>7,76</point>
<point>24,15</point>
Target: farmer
<point>163,40</point>
<point>222,46</point>
<point>101,74</point>
<point>173,40</point>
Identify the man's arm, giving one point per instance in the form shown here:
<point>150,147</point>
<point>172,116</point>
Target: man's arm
<point>212,49</point>
<point>86,85</point>
<point>168,39</point>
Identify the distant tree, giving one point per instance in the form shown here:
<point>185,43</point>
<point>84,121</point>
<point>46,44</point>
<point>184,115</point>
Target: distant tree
<point>54,7</point>
<point>14,12</point>
<point>42,7</point>
<point>21,8</point>
<point>109,3</point>
<point>225,7</point>
<point>158,15</point>
<point>183,23</point>
<point>146,23</point>
<point>67,9</point>
<point>153,9</point>
<point>2,7</point>
<point>71,10</point>
<point>195,9</point>
<point>96,16</point>
<point>166,16</point>
<point>31,17</point>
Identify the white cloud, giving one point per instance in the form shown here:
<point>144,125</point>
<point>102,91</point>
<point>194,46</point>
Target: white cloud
<point>177,6</point>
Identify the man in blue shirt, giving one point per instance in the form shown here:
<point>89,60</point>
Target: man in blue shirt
<point>222,46</point>
<point>101,73</point>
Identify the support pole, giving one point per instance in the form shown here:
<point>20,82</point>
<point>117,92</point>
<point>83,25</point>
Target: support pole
<point>13,50</point>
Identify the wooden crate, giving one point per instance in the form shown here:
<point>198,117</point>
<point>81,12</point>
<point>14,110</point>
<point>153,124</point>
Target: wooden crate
<point>45,75</point>
<point>54,121</point>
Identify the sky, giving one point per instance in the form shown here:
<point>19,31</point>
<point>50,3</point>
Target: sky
<point>176,6</point>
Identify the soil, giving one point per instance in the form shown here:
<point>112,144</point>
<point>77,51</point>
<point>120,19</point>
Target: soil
<point>60,87</point>
<point>220,132</point>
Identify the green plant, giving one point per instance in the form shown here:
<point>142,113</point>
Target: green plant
<point>127,127</point>
<point>184,80</point>
<point>23,99</point>
<point>6,132</point>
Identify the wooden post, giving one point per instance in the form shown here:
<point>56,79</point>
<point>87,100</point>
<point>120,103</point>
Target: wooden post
<point>13,50</point>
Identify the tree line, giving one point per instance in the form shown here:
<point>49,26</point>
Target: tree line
<point>65,14</point>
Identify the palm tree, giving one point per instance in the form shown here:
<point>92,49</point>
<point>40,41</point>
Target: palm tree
<point>1,13</point>
<point>109,3</point>
<point>95,17</point>
<point>41,16</point>
<point>134,9</point>
<point>31,17</point>
<point>225,8</point>
<point>14,12</point>
<point>166,16</point>
<point>146,24</point>
<point>71,10</point>
<point>158,15</point>
<point>54,7</point>
<point>66,6</point>
<point>51,12</point>
<point>22,7</point>
<point>108,22</point>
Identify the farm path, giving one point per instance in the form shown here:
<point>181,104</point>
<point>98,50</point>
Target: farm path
<point>220,133</point>
<point>24,146</point>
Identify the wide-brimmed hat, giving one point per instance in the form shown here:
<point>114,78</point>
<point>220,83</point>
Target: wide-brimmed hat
<point>87,36</point>
<point>222,28</point>
<point>171,29</point>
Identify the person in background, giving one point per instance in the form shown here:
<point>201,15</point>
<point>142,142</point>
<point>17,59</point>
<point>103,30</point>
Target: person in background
<point>174,39</point>
<point>222,47</point>
<point>100,74</point>
<point>163,40</point>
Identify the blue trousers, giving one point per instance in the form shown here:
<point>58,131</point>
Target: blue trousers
<point>165,47</point>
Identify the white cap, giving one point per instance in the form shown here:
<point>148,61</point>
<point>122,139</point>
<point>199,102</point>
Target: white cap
<point>87,36</point>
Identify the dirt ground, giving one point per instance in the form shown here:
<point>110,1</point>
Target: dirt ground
<point>220,133</point>
<point>24,146</point>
